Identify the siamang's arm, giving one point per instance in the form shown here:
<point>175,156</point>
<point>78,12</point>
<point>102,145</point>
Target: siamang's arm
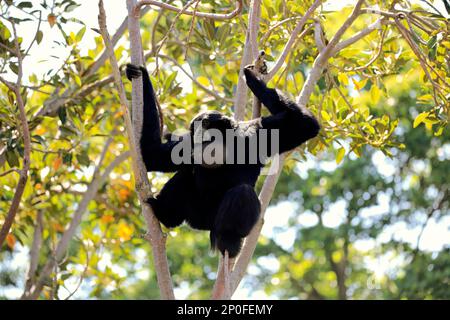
<point>295,123</point>
<point>156,155</point>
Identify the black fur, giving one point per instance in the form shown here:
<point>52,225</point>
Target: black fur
<point>221,198</point>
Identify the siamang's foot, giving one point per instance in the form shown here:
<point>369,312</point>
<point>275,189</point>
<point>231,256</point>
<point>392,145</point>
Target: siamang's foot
<point>133,71</point>
<point>149,200</point>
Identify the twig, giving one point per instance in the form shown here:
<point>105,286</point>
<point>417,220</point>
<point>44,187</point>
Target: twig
<point>191,28</point>
<point>34,253</point>
<point>214,16</point>
<point>288,46</point>
<point>10,171</point>
<point>179,66</point>
<point>267,34</point>
<point>248,56</point>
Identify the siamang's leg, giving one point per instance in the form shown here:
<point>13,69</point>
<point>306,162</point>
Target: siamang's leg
<point>174,202</point>
<point>237,214</point>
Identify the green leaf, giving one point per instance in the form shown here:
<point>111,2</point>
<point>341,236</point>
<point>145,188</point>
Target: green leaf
<point>25,4</point>
<point>67,158</point>
<point>39,36</point>
<point>62,114</point>
<point>83,158</point>
<point>80,34</point>
<point>12,159</point>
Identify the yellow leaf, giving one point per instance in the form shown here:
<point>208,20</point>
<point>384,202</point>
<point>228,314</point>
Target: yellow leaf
<point>107,219</point>
<point>125,231</point>
<point>123,194</point>
<point>10,240</point>
<point>419,119</point>
<point>425,97</point>
<point>77,80</point>
<point>57,163</point>
<point>357,152</point>
<point>325,115</point>
<point>340,155</point>
<point>203,80</point>
<point>58,227</point>
<point>40,130</point>
<point>342,77</point>
<point>375,94</point>
<point>359,85</point>
<point>439,132</point>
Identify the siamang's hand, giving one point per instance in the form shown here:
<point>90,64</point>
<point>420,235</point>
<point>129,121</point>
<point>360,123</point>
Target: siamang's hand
<point>133,71</point>
<point>250,73</point>
<point>249,67</point>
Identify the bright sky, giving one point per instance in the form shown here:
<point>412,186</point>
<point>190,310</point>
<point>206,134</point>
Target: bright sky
<point>436,234</point>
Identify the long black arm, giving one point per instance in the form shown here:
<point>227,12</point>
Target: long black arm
<point>295,123</point>
<point>157,156</point>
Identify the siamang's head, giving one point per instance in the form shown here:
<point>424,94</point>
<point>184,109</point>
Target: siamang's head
<point>208,133</point>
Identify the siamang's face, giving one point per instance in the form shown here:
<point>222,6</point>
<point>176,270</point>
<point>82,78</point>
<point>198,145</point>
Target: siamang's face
<point>208,133</point>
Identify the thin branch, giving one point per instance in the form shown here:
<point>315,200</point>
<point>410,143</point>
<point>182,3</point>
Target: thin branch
<point>100,61</point>
<point>34,253</point>
<point>267,34</point>
<point>366,31</point>
<point>249,54</point>
<point>8,84</point>
<point>27,145</point>
<point>155,235</point>
<point>214,16</point>
<point>170,30</point>
<point>323,57</point>
<point>375,56</point>
<point>198,84</point>
<point>288,46</point>
<point>10,171</point>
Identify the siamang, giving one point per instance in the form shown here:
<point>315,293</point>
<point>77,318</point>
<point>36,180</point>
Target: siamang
<point>218,196</point>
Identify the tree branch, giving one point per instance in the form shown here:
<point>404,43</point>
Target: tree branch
<point>366,31</point>
<point>249,54</point>
<point>214,16</point>
<point>269,184</point>
<point>34,253</point>
<point>198,84</point>
<point>287,48</point>
<point>156,237</point>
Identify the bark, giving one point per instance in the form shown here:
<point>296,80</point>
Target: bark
<point>155,236</point>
